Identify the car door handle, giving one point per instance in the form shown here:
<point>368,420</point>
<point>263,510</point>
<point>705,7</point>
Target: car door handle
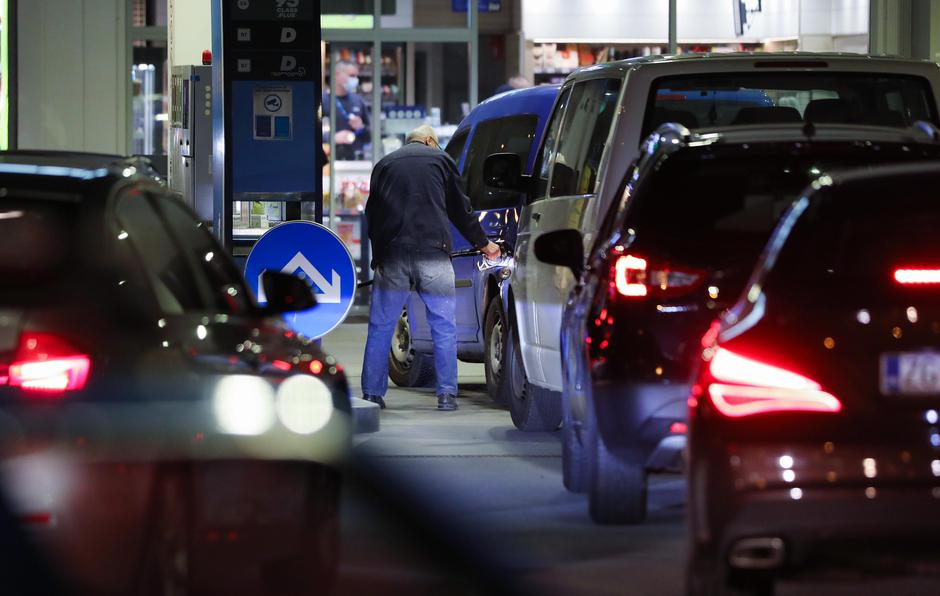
<point>536,217</point>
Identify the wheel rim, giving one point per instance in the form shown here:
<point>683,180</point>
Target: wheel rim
<point>496,348</point>
<point>402,351</point>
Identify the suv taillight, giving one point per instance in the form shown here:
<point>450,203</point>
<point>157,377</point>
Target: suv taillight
<point>48,364</point>
<point>919,276</point>
<point>635,277</point>
<point>739,386</point>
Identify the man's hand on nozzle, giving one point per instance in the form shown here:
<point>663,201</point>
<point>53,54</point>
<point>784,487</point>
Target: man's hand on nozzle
<point>492,251</point>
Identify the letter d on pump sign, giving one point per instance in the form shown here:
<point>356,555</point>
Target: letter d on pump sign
<point>288,35</point>
<point>288,63</point>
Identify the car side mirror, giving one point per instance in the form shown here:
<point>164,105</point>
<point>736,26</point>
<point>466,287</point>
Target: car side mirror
<point>503,171</point>
<point>286,293</point>
<point>564,248</point>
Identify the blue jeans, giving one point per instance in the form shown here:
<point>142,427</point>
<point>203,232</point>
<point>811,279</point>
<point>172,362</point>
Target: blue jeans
<point>431,275</point>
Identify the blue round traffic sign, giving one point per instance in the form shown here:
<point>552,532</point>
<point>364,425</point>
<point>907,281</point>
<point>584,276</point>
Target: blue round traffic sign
<point>314,253</point>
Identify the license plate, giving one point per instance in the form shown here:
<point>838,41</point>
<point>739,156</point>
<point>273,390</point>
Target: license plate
<point>910,373</point>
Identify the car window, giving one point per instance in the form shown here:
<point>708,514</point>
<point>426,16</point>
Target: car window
<point>713,209</point>
<point>551,139</point>
<point>226,290</point>
<point>456,145</point>
<point>166,266</point>
<point>512,134</point>
<point>822,97</point>
<point>851,241</point>
<point>583,137</point>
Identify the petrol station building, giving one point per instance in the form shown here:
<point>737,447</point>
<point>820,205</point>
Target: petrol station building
<point>420,60</point>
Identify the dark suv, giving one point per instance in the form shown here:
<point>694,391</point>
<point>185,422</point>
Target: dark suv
<point>814,418</point>
<point>672,255</point>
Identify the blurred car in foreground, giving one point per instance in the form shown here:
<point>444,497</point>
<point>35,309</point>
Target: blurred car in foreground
<point>674,254</point>
<point>814,438</point>
<point>159,431</point>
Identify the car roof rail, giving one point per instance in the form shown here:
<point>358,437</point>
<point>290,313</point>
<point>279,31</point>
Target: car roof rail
<point>928,129</point>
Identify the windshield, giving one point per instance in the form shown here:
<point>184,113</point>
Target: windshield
<point>821,97</point>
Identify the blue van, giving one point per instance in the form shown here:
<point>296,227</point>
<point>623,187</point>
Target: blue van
<point>512,122</point>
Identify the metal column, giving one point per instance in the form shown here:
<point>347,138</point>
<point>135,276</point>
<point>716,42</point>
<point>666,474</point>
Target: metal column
<point>473,23</point>
<point>673,40</point>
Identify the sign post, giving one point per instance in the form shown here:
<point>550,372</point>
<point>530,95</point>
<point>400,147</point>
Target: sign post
<point>313,252</point>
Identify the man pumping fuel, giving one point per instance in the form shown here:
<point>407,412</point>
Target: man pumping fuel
<point>415,194</point>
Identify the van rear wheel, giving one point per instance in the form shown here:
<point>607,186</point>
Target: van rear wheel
<point>532,409</point>
<point>406,367</point>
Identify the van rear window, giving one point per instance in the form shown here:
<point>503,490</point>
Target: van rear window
<point>822,97</point>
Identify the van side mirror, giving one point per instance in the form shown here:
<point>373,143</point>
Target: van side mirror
<point>564,248</point>
<point>286,293</point>
<point>503,171</point>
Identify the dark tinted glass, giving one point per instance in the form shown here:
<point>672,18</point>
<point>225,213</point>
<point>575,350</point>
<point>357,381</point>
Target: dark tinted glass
<point>551,139</point>
<point>170,275</point>
<point>715,209</point>
<point>226,290</point>
<point>583,137</point>
<point>456,145</point>
<point>37,242</point>
<point>823,97</point>
<point>513,134</point>
<point>855,237</point>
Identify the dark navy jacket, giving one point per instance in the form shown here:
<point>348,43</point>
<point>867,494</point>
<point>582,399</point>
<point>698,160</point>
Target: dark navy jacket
<point>414,193</point>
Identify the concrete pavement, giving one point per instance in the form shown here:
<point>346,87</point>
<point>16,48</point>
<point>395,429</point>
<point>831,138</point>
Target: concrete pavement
<point>506,486</point>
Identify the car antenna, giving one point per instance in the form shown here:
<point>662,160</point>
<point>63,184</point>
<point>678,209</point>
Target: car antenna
<point>809,129</point>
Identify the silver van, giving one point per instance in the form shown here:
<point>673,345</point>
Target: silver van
<point>601,118</point>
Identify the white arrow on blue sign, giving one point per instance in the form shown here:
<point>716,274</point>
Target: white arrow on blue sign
<point>312,252</point>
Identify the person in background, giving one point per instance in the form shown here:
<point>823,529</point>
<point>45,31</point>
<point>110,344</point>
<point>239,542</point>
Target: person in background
<point>415,192</point>
<point>352,114</point>
<point>516,82</point>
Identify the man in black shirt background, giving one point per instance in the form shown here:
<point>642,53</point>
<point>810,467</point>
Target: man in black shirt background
<point>352,114</point>
<point>415,193</point>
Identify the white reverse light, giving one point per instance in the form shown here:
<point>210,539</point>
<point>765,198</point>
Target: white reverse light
<point>304,404</point>
<point>243,405</point>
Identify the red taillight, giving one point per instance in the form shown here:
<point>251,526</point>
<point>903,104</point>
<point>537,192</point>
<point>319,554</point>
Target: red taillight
<point>743,387</point>
<point>637,277</point>
<point>46,363</point>
<point>917,276</point>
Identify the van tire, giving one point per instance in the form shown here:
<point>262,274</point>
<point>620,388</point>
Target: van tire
<point>532,409</point>
<point>406,367</point>
<point>496,342</point>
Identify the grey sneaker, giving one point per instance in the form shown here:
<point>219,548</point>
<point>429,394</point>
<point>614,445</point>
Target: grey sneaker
<point>447,402</point>
<point>375,399</point>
